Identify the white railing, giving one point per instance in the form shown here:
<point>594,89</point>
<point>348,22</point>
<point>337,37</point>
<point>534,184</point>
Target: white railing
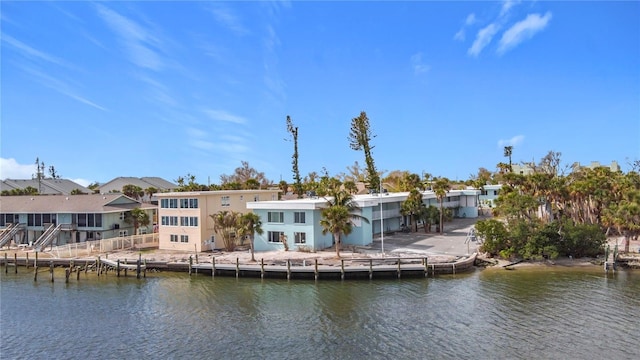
<point>95,247</point>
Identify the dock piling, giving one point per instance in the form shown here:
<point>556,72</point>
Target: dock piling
<point>342,269</point>
<point>315,271</point>
<point>262,268</point>
<point>51,270</point>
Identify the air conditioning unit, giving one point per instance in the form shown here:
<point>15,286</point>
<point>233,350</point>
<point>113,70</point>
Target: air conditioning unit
<point>116,226</point>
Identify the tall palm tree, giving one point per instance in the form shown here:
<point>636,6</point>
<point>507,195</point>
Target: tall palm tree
<point>508,151</point>
<point>338,216</point>
<point>249,224</point>
<point>440,188</point>
<point>225,223</point>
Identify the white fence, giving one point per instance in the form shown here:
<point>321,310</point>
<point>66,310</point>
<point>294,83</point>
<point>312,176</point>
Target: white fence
<point>100,246</point>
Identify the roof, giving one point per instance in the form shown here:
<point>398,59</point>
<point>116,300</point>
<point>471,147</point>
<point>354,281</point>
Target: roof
<point>216,192</point>
<point>116,185</point>
<point>90,203</point>
<point>364,200</point>
<point>46,186</point>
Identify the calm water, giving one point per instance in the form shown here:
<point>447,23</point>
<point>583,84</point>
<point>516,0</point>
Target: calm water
<point>490,314</point>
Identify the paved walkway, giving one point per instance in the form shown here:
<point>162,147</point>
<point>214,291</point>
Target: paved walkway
<point>452,242</point>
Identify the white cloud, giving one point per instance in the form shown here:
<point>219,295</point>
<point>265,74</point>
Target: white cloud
<point>221,115</point>
<point>483,38</point>
<point>83,182</point>
<point>30,52</point>
<point>135,38</point>
<point>507,5</point>
<point>460,35</point>
<point>10,169</point>
<point>523,30</point>
<point>471,19</point>
<point>227,18</point>
<point>514,141</point>
<point>418,65</point>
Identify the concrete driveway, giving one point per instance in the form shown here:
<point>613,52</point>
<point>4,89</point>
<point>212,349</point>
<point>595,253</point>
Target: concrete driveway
<point>452,242</point>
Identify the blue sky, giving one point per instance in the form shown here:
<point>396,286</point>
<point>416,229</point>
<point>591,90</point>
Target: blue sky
<point>107,89</point>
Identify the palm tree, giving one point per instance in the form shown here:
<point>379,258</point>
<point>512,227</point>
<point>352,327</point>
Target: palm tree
<point>138,218</point>
<point>440,188</point>
<point>248,225</point>
<point>225,223</point>
<point>150,191</point>
<point>508,151</point>
<point>413,207</point>
<point>338,216</point>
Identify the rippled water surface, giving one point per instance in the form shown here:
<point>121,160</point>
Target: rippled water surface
<point>490,314</point>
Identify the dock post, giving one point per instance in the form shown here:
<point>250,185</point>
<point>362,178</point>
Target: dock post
<point>15,261</point>
<point>288,269</point>
<point>316,270</point>
<point>370,268</point>
<point>51,269</point>
<point>78,273</point>
<point>262,268</point>
<point>190,264</point>
<point>237,267</point>
<point>6,267</point>
<point>125,268</point>
<point>86,267</point>
<point>399,268</point>
<point>213,266</point>
<point>118,268</point>
<point>426,267</point>
<point>26,262</point>
<point>138,263</point>
<point>67,273</point>
<point>342,269</point>
<point>144,272</point>
<point>197,260</point>
<point>35,262</point>
<point>453,266</point>
<point>98,265</point>
<point>433,270</point>
<point>35,268</point>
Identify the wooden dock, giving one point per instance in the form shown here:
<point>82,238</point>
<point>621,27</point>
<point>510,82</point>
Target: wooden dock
<point>348,268</point>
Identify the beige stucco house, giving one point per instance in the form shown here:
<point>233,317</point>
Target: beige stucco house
<point>184,221</point>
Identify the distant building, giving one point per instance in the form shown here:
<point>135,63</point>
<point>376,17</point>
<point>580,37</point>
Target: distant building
<point>72,218</point>
<point>488,195</point>
<point>184,217</point>
<point>614,167</point>
<point>44,186</point>
<point>522,169</point>
<point>116,185</point>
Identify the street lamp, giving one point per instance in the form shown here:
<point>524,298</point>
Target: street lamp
<point>381,220</point>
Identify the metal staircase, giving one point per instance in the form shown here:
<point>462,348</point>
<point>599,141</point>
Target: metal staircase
<point>47,237</point>
<point>9,232</point>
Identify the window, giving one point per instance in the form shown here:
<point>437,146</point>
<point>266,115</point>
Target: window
<point>300,238</point>
<point>164,203</point>
<point>82,220</point>
<point>193,203</point>
<point>98,220</point>
<point>193,221</point>
<point>122,233</point>
<point>184,221</point>
<point>184,203</point>
<point>30,219</point>
<point>274,236</point>
<point>298,217</point>
<point>225,201</point>
<point>184,238</point>
<point>173,238</point>
<point>91,220</point>
<point>122,215</point>
<point>275,217</point>
<point>173,203</point>
<point>169,220</point>
<point>495,192</point>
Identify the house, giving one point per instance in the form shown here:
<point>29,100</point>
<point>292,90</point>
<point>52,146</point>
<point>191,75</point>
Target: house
<point>613,167</point>
<point>68,219</point>
<point>44,186</point>
<point>488,195</point>
<point>116,185</point>
<point>185,221</point>
<point>298,221</point>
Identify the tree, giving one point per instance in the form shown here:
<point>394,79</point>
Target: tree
<point>53,173</point>
<point>137,218</point>
<point>508,151</point>
<point>133,191</point>
<point>150,191</point>
<point>95,187</point>
<point>249,224</point>
<point>413,207</point>
<point>359,139</point>
<point>225,223</point>
<point>440,188</point>
<point>297,181</point>
<point>242,174</point>
<point>76,192</point>
<point>338,216</point>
